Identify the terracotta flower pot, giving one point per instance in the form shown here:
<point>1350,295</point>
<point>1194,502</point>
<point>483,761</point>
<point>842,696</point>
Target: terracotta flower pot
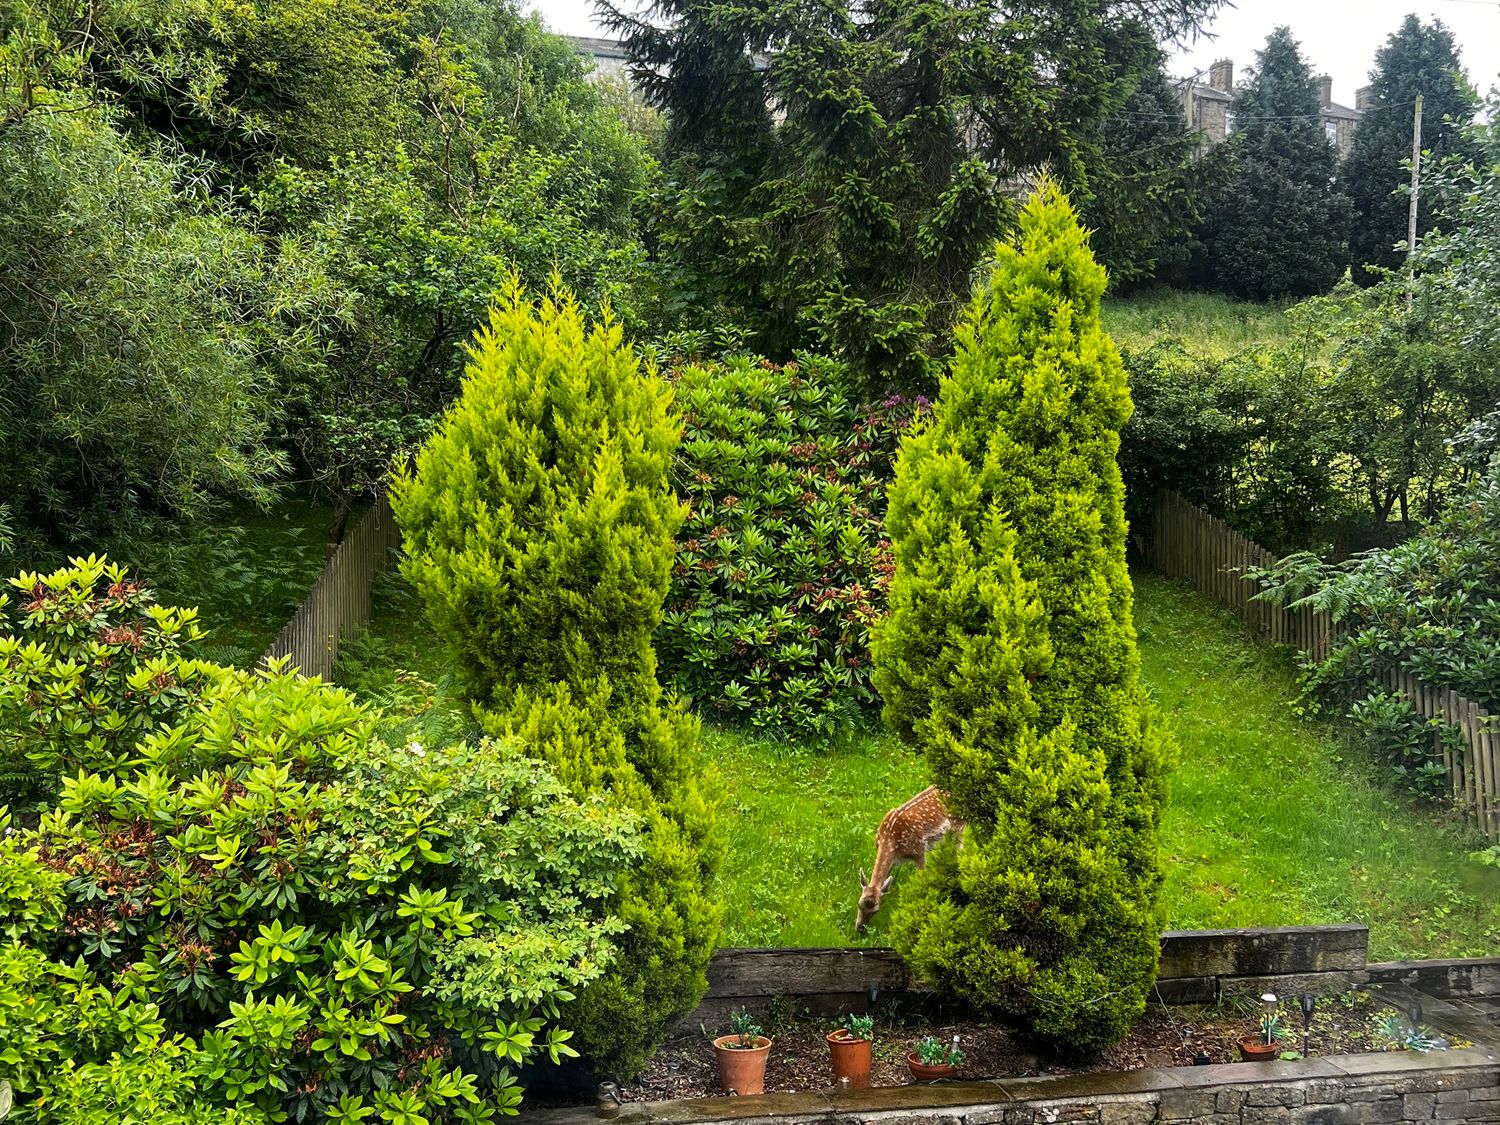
<point>1253,1050</point>
<point>922,1072</point>
<point>742,1069</point>
<point>851,1058</point>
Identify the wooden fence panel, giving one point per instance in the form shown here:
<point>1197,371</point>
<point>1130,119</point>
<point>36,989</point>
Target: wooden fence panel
<point>1188,543</point>
<point>337,608</point>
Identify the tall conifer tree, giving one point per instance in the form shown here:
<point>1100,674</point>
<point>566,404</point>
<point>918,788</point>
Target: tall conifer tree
<point>1009,657</point>
<point>1417,59</point>
<point>1274,225</point>
<point>538,527</point>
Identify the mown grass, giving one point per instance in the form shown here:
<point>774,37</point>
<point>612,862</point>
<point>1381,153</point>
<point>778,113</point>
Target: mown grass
<point>1210,324</point>
<point>1271,822</point>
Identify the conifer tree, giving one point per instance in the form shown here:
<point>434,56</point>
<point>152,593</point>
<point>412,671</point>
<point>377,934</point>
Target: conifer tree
<point>1274,225</point>
<point>538,526</point>
<point>1417,59</point>
<point>1009,657</point>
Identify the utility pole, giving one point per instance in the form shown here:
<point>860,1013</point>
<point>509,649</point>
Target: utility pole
<point>1416,180</point>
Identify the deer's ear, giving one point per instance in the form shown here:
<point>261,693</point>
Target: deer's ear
<point>862,879</point>
<point>889,879</point>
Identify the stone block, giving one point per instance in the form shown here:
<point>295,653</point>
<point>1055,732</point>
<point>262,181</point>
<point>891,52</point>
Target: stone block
<point>1285,1095</point>
<point>1265,1115</point>
<point>1324,1091</point>
<point>1418,1107</point>
<point>1187,1105</point>
<point>1138,1110</point>
<point>1323,1115</point>
<point>1263,952</point>
<point>1229,1101</point>
<point>1376,1112</point>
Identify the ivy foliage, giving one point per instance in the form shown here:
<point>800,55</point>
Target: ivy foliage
<point>1009,658</point>
<point>782,564</point>
<point>538,522</point>
<point>264,906</point>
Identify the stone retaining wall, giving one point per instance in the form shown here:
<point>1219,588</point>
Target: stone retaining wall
<point>1401,1087</point>
<point>1196,966</point>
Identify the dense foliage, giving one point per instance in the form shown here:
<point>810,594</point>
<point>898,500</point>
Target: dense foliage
<point>1138,188</point>
<point>538,523</point>
<point>782,564</point>
<point>850,219</point>
<point>1009,658</point>
<point>1417,58</point>
<point>249,242</point>
<point>1274,225</point>
<point>267,907</point>
<point>1335,439</point>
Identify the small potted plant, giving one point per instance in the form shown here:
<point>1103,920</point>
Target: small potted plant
<point>742,1056</point>
<point>933,1059</point>
<point>849,1048</point>
<point>1267,1045</point>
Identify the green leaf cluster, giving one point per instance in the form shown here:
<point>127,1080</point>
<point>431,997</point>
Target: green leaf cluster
<point>1009,658</point>
<point>782,564</point>
<point>291,916</point>
<point>538,522</point>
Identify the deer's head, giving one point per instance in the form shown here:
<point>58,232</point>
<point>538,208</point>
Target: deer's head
<point>870,895</point>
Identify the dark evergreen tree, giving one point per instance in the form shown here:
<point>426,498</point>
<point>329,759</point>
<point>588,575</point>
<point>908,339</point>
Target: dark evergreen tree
<point>1417,59</point>
<point>853,217</point>
<point>1139,188</point>
<point>1274,224</point>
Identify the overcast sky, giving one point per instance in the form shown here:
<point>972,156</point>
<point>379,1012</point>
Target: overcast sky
<point>1338,37</point>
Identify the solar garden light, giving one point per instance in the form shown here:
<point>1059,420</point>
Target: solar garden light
<point>1268,1002</point>
<point>1309,1002</point>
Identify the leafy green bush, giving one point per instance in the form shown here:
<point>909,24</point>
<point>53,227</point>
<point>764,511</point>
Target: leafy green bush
<point>538,525</point>
<point>782,564</point>
<point>89,665</point>
<point>77,1053</point>
<point>291,916</point>
<point>1427,607</point>
<point>1009,658</point>
<point>335,921</point>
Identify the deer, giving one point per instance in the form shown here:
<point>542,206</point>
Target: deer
<point>906,833</point>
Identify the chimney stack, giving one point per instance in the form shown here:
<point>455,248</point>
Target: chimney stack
<point>1221,76</point>
<point>1325,86</point>
<point>1362,98</point>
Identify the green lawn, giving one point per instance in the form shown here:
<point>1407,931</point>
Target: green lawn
<point>1210,324</point>
<point>1270,823</point>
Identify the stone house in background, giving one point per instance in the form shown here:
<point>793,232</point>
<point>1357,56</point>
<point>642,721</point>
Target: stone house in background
<point>1207,108</point>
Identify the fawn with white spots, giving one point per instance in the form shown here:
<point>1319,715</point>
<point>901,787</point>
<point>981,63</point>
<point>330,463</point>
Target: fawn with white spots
<point>907,833</point>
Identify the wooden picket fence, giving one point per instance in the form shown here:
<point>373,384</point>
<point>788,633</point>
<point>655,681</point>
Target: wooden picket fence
<point>1188,543</point>
<point>337,608</point>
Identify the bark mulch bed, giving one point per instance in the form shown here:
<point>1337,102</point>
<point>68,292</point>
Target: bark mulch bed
<point>685,1066</point>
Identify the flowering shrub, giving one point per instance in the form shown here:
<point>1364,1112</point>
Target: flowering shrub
<point>263,905</point>
<point>89,663</point>
<point>782,564</point>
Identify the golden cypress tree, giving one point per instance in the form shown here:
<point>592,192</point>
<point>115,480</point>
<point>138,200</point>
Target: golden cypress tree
<point>538,527</point>
<point>1010,660</point>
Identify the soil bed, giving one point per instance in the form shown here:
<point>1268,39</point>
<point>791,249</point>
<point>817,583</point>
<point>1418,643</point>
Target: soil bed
<point>685,1066</point>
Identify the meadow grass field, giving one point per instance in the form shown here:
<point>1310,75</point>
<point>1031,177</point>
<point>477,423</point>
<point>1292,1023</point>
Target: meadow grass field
<point>1208,323</point>
<point>1272,821</point>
